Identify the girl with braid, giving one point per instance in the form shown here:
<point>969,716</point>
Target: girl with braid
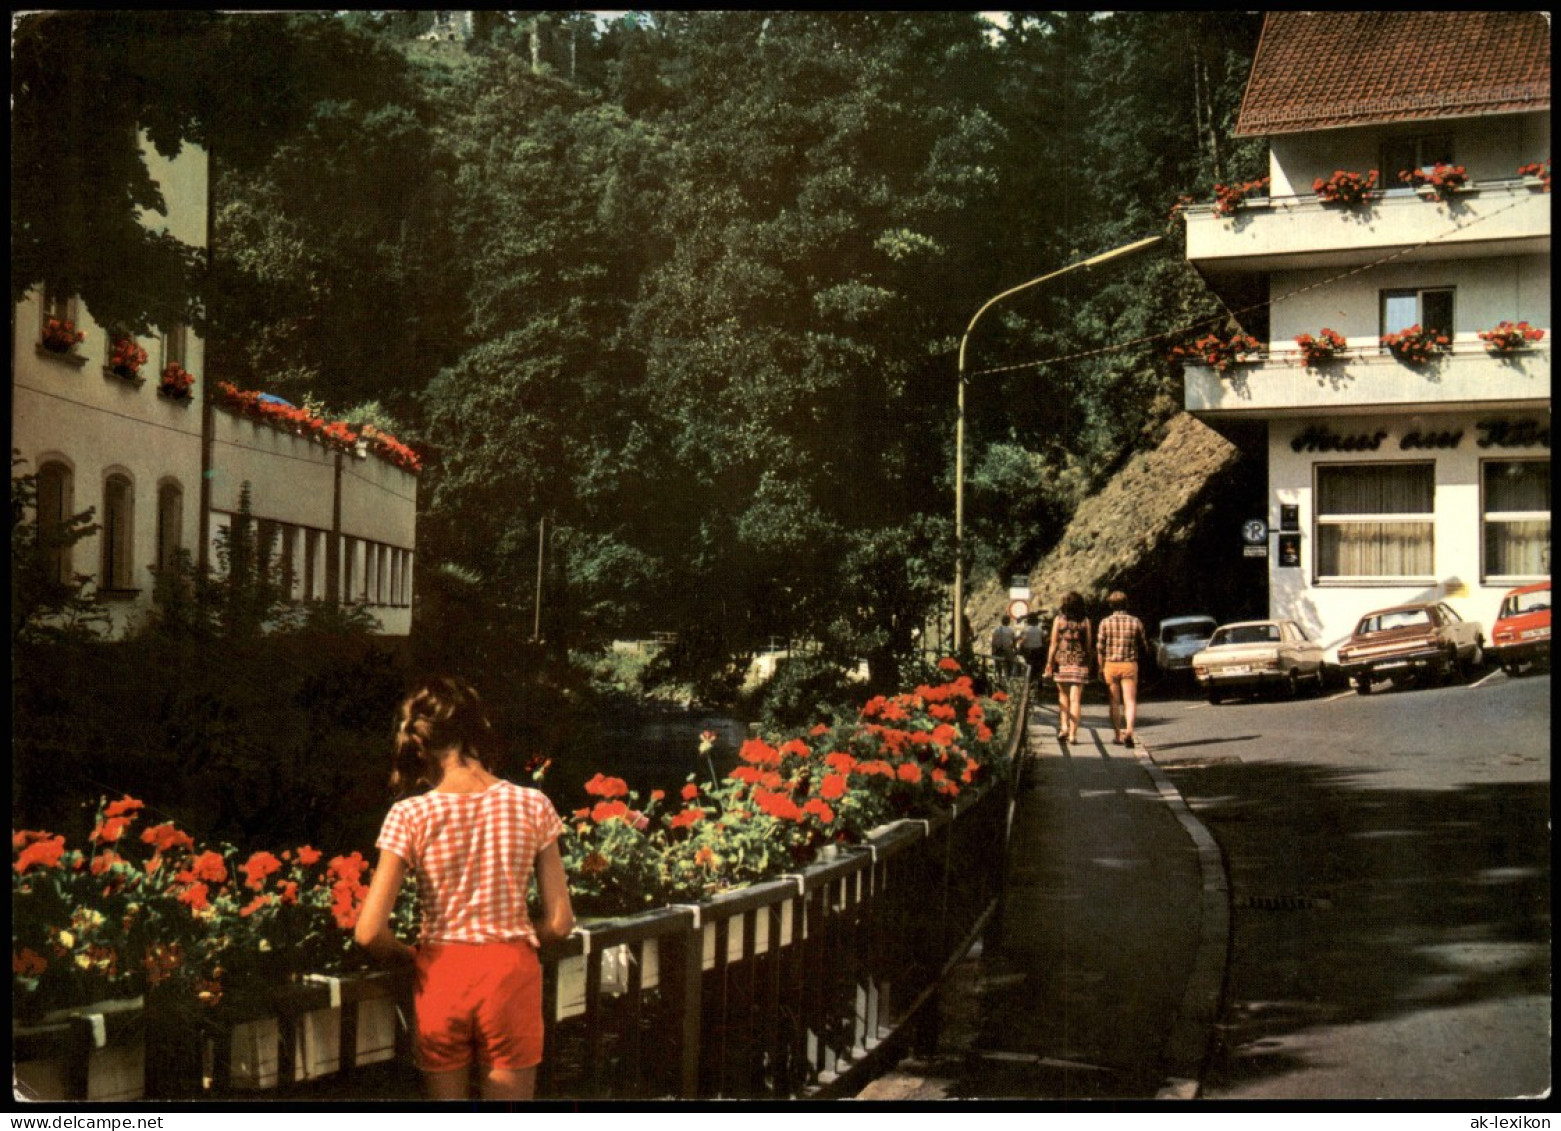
<point>474,841</point>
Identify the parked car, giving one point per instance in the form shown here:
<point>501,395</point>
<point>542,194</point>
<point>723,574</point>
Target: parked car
<point>1407,641</point>
<point>1178,640</point>
<point>1254,654</point>
<point>1521,633</point>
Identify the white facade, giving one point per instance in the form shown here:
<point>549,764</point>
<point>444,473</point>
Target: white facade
<point>1390,482</point>
<point>342,524</point>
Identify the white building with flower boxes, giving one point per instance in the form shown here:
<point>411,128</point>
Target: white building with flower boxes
<point>1412,463</point>
<point>163,455</point>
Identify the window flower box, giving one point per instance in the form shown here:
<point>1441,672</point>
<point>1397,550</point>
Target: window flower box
<point>1536,175</point>
<point>1415,346</point>
<point>1441,182</point>
<point>60,335</point>
<point>1351,190</point>
<point>1322,349</point>
<point>175,383</point>
<point>1510,337</point>
<point>1218,352</point>
<point>1230,199</point>
<point>125,359</point>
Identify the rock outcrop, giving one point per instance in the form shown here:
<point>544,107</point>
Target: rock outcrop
<point>1165,529</point>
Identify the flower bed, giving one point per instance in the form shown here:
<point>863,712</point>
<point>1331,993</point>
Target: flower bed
<point>337,435</point>
<point>139,906</point>
<point>1510,337</point>
<point>131,911</point>
<point>907,755</point>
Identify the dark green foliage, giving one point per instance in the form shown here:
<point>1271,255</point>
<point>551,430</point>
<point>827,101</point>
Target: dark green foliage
<point>806,690</point>
<point>683,290</point>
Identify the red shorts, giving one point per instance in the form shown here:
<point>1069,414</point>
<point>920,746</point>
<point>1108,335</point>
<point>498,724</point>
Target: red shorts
<point>478,1002</point>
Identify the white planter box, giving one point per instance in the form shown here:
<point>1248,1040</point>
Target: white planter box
<point>377,1024</point>
<point>114,1075</point>
<point>255,1053</point>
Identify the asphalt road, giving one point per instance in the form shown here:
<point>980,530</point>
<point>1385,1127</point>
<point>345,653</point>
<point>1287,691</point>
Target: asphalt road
<point>1389,860</point>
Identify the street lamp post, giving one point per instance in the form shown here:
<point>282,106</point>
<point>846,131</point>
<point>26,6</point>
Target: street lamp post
<point>959,431</point>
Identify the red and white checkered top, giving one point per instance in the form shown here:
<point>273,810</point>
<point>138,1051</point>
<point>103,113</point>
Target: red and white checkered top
<point>473,855</point>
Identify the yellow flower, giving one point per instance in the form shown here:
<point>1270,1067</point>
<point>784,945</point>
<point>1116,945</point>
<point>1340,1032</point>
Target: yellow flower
<point>67,940</point>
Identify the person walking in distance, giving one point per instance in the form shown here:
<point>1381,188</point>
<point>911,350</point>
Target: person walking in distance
<point>1067,662</point>
<point>474,841</point>
<point>1122,646</point>
<point>1003,647</point>
<point>1032,647</point>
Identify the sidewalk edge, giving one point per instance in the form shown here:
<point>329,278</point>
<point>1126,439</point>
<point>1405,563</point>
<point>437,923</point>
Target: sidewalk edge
<point>1187,1046</point>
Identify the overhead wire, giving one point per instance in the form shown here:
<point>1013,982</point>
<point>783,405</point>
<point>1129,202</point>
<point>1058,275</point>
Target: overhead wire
<point>1182,331</point>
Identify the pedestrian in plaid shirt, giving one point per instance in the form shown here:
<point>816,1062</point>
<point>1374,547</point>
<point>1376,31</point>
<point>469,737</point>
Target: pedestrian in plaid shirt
<point>474,842</point>
<point>1120,644</point>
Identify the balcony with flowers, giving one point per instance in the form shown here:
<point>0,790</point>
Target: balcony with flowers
<point>1323,373</point>
<point>1337,224</point>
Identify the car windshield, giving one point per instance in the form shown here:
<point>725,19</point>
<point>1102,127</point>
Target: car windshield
<point>1196,630</point>
<point>1246,634</point>
<point>1397,618</point>
<point>1520,603</point>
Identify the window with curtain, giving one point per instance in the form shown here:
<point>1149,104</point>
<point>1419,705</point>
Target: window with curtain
<point>1430,308</point>
<point>1375,520</point>
<point>116,536</point>
<point>1515,505</point>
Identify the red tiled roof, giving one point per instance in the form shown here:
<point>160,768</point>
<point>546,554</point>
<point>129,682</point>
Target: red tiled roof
<point>1316,70</point>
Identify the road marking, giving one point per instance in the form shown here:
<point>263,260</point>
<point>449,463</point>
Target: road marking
<point>1482,682</point>
<point>1339,695</point>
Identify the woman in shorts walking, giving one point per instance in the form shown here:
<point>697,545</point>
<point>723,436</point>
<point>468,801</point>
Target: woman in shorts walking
<point>474,841</point>
<point>1068,664</point>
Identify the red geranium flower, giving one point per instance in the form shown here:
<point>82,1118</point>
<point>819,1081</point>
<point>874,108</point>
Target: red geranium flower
<point>909,771</point>
<point>609,810</point>
<point>195,897</point>
<point>45,853</point>
<point>164,837</point>
<point>307,855</point>
<point>690,791</point>
<point>687,818</point>
<point>833,786</point>
<point>258,867</point>
<point>820,809</point>
<point>121,807</point>
<point>606,787</point>
<point>208,866</point>
<point>949,664</point>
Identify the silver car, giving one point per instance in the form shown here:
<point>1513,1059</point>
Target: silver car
<point>1178,640</point>
<point>1254,654</point>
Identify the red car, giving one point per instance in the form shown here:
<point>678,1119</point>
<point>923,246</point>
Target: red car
<point>1522,631</point>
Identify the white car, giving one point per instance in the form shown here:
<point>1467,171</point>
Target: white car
<point>1253,654</point>
<point>1178,640</point>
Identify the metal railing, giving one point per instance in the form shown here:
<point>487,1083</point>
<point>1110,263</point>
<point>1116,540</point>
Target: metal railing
<point>802,986</point>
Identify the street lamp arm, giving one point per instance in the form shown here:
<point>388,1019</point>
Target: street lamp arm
<point>959,431</point>
<point>1093,261</point>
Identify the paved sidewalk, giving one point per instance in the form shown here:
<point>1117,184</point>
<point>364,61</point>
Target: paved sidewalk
<point>1105,977</point>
